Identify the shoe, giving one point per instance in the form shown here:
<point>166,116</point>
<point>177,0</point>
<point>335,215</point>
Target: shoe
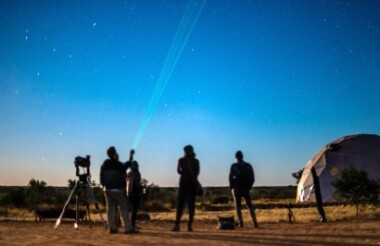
<point>190,228</point>
<point>323,220</point>
<point>255,225</point>
<point>112,231</point>
<point>176,227</point>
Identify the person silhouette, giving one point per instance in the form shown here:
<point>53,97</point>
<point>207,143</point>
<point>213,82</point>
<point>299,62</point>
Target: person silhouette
<point>188,168</point>
<point>241,179</point>
<point>112,178</point>
<point>134,190</point>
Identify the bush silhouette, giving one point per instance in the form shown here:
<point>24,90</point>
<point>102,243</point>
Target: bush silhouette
<point>355,187</point>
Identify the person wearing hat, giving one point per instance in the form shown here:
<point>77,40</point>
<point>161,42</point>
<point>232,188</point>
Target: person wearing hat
<point>188,168</point>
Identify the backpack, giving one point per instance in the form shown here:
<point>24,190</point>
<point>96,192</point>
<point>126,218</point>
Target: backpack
<point>226,223</point>
<point>244,176</point>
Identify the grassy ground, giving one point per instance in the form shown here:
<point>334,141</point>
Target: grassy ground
<point>302,215</point>
<point>275,215</point>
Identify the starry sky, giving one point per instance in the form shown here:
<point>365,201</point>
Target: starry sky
<point>277,79</point>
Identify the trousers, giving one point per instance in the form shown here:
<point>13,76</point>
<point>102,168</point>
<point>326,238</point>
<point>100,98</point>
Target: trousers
<point>117,200</point>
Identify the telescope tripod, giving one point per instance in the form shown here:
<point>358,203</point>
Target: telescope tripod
<point>291,217</point>
<point>82,183</point>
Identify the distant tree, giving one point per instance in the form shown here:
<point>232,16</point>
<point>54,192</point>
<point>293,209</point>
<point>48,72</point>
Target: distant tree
<point>354,186</point>
<point>37,185</point>
<point>14,198</point>
<point>153,192</point>
<point>288,192</point>
<point>57,196</point>
<point>152,196</point>
<point>71,183</point>
<point>221,200</point>
<point>297,175</point>
<point>35,193</point>
<point>144,183</point>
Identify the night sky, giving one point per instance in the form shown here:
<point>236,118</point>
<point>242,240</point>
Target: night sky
<point>275,79</point>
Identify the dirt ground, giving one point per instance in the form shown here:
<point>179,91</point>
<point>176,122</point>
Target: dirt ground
<point>158,233</point>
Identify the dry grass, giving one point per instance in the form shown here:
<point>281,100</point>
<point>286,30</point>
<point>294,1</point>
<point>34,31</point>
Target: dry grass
<point>305,215</point>
<point>275,215</point>
<point>344,228</point>
<point>16,214</point>
<point>302,215</point>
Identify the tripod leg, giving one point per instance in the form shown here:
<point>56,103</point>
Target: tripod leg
<point>58,222</point>
<point>93,200</point>
<point>294,218</point>
<point>76,210</point>
<point>88,206</point>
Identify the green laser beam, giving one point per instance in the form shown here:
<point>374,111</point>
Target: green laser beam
<point>188,21</point>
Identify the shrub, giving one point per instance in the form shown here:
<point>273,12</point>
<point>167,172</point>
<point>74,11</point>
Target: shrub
<point>354,186</point>
<point>221,200</point>
<point>14,198</point>
<point>4,212</point>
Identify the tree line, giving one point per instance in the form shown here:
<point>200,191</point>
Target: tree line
<point>353,186</point>
<point>38,195</point>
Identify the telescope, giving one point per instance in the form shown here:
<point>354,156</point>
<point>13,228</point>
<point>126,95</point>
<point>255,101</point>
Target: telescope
<point>85,163</point>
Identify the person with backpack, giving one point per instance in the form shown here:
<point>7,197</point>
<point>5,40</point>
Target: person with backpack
<point>241,179</point>
<point>134,190</point>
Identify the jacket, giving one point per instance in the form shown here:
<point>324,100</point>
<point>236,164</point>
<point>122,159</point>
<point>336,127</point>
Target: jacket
<point>112,174</point>
<point>188,168</point>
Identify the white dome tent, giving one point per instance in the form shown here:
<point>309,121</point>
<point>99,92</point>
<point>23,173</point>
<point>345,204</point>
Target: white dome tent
<point>362,151</point>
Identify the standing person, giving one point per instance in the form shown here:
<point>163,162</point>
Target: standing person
<point>112,178</point>
<point>241,179</point>
<point>134,190</point>
<point>318,195</point>
<point>188,169</point>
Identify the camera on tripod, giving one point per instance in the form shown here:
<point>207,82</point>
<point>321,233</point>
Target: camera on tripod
<point>82,184</point>
<point>82,161</point>
<point>85,163</point>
